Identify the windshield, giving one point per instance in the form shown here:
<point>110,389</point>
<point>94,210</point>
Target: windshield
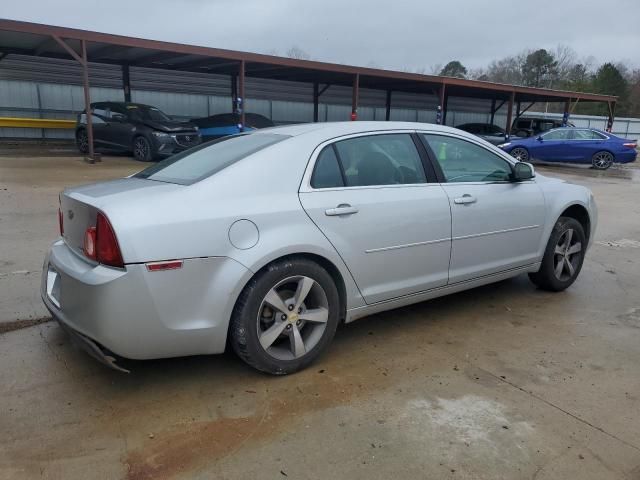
<point>148,113</point>
<point>201,162</point>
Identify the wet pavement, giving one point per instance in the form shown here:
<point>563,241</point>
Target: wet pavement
<point>504,381</point>
<point>29,189</point>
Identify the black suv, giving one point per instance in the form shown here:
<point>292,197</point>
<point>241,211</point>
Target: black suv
<point>530,125</point>
<point>132,127</point>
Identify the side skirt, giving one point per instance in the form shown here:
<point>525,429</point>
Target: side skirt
<point>359,312</point>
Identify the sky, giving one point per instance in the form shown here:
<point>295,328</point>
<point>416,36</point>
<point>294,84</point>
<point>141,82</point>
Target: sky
<point>395,34</point>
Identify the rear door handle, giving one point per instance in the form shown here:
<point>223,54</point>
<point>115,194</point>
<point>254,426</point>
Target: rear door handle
<point>465,199</point>
<point>342,209</point>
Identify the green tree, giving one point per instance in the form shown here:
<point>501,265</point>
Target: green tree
<point>454,69</point>
<point>609,80</point>
<point>539,69</point>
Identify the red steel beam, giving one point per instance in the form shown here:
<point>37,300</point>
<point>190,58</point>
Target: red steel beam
<point>355,93</point>
<point>510,113</point>
<point>71,51</point>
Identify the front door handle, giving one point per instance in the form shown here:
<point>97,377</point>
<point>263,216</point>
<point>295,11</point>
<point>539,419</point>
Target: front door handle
<point>342,209</point>
<point>465,199</point>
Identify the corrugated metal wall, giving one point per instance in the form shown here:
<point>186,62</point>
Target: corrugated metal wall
<point>49,88</point>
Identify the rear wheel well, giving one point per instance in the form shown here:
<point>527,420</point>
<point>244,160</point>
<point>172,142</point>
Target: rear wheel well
<point>328,266</point>
<point>581,215</point>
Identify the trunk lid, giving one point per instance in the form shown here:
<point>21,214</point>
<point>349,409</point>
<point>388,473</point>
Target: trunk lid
<point>79,206</point>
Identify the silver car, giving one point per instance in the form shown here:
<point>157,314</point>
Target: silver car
<point>268,240</point>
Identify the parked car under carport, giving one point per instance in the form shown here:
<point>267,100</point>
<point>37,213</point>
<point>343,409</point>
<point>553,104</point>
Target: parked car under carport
<point>143,130</point>
<point>223,124</point>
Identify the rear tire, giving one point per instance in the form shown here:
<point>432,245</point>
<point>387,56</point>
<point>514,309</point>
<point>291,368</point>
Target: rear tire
<point>285,317</point>
<point>563,256</point>
<point>82,141</point>
<point>142,149</point>
<point>602,160</point>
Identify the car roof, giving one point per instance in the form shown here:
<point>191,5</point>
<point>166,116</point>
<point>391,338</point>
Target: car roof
<point>334,129</point>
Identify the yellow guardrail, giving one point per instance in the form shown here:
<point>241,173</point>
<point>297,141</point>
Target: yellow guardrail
<point>18,122</point>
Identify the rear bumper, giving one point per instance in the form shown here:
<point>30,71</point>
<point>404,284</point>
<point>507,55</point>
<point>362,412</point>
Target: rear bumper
<point>90,347</point>
<point>139,314</point>
<point>626,156</point>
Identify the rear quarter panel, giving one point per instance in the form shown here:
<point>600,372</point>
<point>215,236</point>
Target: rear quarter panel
<point>194,221</point>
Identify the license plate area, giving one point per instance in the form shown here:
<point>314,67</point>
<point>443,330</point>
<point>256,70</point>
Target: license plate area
<point>53,285</point>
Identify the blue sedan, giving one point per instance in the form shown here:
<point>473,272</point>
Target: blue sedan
<point>574,145</point>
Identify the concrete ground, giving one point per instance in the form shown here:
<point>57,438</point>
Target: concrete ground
<point>503,381</point>
<point>29,189</point>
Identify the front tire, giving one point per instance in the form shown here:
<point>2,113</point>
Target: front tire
<point>285,317</point>
<point>563,256</point>
<point>142,149</point>
<point>602,160</point>
<point>520,153</point>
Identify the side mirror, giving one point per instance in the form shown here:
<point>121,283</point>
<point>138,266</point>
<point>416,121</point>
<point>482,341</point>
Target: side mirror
<point>540,139</point>
<point>523,171</point>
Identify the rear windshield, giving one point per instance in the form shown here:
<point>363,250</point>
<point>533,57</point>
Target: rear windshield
<point>201,162</point>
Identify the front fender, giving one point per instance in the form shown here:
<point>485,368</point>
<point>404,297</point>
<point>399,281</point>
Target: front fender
<point>560,196</point>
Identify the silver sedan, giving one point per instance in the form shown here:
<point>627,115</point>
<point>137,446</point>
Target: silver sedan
<point>266,241</point>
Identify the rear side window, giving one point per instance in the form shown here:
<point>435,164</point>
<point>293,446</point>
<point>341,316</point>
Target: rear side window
<point>326,173</point>
<point>201,162</point>
<point>587,135</point>
<point>389,159</point>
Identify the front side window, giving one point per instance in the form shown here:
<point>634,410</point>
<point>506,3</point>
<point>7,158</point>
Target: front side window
<point>388,159</point>
<point>463,161</point>
<point>560,134</point>
<point>209,158</point>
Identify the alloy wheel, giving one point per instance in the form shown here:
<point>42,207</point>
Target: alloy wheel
<point>602,160</point>
<point>292,318</point>
<point>567,254</point>
<point>141,149</point>
<point>520,154</point>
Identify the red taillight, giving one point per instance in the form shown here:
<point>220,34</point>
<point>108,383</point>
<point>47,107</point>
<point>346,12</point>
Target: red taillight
<point>60,221</point>
<point>630,145</point>
<point>101,244</point>
<point>107,248</point>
